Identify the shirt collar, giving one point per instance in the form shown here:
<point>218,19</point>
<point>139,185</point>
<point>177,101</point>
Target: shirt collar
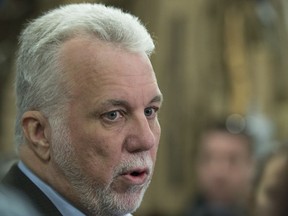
<point>61,204</point>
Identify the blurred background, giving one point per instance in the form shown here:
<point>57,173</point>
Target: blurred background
<point>213,59</point>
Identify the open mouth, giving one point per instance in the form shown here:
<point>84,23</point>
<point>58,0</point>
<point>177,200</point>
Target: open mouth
<point>136,176</point>
<point>137,173</point>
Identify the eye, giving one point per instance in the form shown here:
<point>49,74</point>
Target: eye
<point>112,115</point>
<point>150,112</point>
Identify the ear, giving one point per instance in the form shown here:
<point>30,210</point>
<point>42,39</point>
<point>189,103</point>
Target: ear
<point>37,132</point>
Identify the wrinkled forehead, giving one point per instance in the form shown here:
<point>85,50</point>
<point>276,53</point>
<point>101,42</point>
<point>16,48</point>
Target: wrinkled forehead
<point>93,65</point>
<point>92,54</point>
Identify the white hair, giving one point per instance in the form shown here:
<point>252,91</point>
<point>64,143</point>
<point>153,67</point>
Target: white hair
<point>39,76</point>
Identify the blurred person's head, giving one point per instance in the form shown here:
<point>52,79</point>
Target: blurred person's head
<point>225,165</point>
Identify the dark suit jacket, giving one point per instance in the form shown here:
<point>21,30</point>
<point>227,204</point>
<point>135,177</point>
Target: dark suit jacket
<point>17,180</point>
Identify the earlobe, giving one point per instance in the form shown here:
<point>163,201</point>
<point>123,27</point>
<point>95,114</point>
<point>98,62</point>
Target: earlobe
<point>36,129</point>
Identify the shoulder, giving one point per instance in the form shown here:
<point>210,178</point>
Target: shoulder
<point>15,180</point>
<point>8,196</point>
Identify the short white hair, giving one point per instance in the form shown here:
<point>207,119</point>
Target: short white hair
<point>38,74</point>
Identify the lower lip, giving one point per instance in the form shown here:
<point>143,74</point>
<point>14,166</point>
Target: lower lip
<point>135,180</point>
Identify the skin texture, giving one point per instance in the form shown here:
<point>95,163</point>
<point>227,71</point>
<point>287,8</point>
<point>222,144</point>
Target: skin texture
<point>110,129</point>
<point>224,168</point>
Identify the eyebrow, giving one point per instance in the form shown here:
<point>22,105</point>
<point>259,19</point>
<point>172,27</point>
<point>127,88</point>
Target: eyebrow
<point>116,102</point>
<point>157,98</point>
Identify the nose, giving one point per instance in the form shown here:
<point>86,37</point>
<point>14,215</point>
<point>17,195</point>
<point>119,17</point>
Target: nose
<point>143,135</point>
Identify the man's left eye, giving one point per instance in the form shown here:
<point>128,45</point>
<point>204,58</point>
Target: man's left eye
<point>112,115</point>
<point>150,111</point>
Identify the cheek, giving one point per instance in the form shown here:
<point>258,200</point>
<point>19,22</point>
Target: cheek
<point>156,129</point>
<point>92,140</point>
<point>153,153</point>
<point>157,135</point>
<point>97,154</point>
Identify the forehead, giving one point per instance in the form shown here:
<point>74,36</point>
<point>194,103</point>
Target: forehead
<point>94,68</point>
<point>93,54</point>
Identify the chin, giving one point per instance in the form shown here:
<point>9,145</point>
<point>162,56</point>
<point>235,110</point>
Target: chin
<point>130,201</point>
<point>108,202</point>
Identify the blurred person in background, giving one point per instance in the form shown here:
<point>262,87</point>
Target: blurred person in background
<point>87,130</point>
<point>271,184</point>
<point>224,170</point>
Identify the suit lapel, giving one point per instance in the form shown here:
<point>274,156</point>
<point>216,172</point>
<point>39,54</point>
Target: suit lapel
<point>16,179</point>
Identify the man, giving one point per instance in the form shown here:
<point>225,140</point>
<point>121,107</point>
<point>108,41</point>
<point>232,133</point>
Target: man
<point>87,98</point>
<point>224,171</point>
